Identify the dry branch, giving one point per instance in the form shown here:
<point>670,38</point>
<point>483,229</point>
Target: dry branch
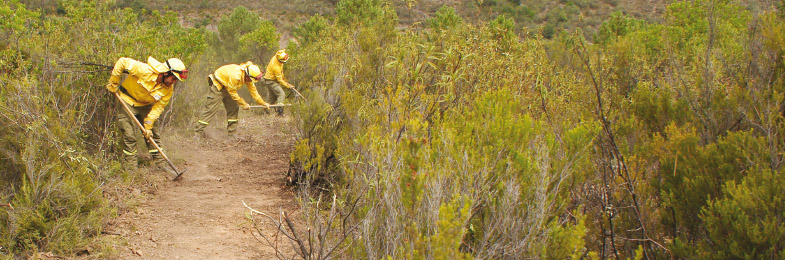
<point>317,232</point>
<point>296,239</point>
<point>279,229</point>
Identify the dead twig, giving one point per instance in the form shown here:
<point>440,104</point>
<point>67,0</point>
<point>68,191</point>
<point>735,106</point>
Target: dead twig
<point>280,229</point>
<point>85,64</point>
<point>294,233</point>
<point>7,205</point>
<point>279,225</point>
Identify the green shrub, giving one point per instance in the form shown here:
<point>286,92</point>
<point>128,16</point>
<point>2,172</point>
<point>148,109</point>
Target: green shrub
<point>617,25</point>
<point>503,30</point>
<point>311,30</point>
<point>349,12</point>
<point>238,32</point>
<point>548,31</point>
<point>261,43</point>
<point>744,224</point>
<point>57,141</point>
<point>445,18</point>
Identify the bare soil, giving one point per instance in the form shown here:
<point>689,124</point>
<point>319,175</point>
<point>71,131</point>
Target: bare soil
<point>201,215</point>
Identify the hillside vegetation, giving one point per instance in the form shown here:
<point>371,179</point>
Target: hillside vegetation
<point>543,17</point>
<point>57,141</point>
<point>467,140</point>
<point>433,132</point>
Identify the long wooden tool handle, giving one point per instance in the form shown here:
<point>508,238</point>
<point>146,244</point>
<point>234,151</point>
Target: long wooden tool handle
<point>149,138</point>
<point>298,92</point>
<point>282,105</point>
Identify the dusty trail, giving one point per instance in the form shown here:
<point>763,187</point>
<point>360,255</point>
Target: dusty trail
<point>202,216</point>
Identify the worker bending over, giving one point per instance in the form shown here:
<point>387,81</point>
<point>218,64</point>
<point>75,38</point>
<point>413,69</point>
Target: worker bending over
<point>146,91</point>
<point>224,83</point>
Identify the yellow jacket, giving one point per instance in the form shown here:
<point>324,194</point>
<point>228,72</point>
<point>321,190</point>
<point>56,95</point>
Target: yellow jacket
<point>140,87</point>
<point>232,77</point>
<point>274,71</point>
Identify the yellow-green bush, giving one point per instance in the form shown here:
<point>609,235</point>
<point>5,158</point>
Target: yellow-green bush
<point>632,148</point>
<point>415,127</point>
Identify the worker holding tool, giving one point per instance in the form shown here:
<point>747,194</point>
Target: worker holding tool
<point>274,79</point>
<point>145,92</point>
<point>224,83</point>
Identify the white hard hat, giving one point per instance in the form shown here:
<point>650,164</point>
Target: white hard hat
<point>175,65</point>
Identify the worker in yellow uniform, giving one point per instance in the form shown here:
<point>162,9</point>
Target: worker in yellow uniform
<point>224,83</point>
<point>274,79</point>
<point>146,91</point>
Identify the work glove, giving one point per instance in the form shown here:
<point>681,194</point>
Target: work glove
<point>148,126</point>
<point>148,133</point>
<point>113,85</point>
<point>265,104</point>
<point>246,106</point>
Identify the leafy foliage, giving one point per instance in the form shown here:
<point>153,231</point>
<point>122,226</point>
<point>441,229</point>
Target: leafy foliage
<point>261,41</point>
<point>460,139</point>
<point>311,30</point>
<point>616,26</point>
<point>349,12</point>
<point>244,35</point>
<point>632,148</point>
<point>445,18</point>
<point>57,142</point>
<point>744,223</point>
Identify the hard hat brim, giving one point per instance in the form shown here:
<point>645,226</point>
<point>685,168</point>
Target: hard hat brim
<point>178,76</point>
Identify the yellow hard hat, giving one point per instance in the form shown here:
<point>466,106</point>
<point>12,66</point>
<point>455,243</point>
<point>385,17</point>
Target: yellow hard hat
<point>282,55</point>
<point>253,72</point>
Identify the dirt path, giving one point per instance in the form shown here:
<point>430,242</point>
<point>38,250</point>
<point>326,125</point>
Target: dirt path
<point>202,215</point>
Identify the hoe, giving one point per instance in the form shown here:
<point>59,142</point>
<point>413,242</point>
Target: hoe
<point>177,172</point>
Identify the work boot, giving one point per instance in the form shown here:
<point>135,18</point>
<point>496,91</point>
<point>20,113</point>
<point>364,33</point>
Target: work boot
<point>200,133</point>
<point>129,167</point>
<point>129,162</point>
<point>160,163</point>
<point>232,135</point>
<point>279,111</point>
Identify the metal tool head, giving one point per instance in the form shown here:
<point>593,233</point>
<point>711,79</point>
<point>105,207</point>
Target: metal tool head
<point>177,175</point>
